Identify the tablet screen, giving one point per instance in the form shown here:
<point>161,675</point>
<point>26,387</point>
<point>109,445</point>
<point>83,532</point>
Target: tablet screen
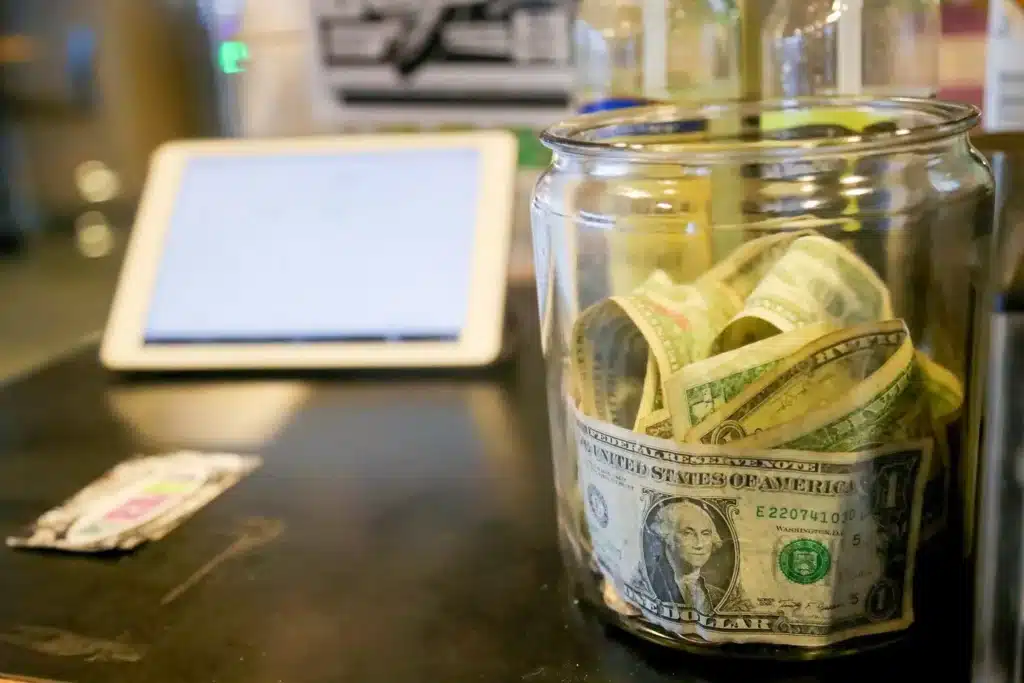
<point>362,247</point>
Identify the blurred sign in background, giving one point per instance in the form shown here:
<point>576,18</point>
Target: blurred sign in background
<point>443,62</point>
<point>318,66</point>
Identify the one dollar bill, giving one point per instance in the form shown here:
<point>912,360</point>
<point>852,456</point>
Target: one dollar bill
<point>624,346</point>
<point>835,394</point>
<point>731,546</point>
<point>850,390</point>
<point>699,389</point>
<point>816,280</point>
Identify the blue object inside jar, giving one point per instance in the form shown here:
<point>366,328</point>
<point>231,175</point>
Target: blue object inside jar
<point>613,103</point>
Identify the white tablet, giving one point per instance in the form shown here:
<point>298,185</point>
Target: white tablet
<point>361,251</point>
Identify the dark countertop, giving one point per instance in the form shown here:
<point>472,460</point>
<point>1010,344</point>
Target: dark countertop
<point>408,519</point>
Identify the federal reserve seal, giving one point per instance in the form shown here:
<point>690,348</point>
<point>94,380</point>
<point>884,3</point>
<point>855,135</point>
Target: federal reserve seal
<point>805,561</point>
<point>598,506</point>
<point>730,430</point>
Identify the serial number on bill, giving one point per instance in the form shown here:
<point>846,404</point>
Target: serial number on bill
<point>810,515</point>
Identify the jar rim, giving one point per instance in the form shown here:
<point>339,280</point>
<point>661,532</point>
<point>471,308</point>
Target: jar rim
<point>582,135</point>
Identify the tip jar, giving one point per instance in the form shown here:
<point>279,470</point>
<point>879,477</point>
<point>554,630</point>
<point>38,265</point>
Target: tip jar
<point>757,321</point>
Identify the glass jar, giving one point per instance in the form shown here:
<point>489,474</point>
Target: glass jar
<point>757,346</point>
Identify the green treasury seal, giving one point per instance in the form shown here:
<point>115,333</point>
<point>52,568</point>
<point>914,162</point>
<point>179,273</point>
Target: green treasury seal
<point>804,561</point>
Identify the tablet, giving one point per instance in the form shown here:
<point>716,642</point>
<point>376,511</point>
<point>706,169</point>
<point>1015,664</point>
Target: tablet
<point>375,251</point>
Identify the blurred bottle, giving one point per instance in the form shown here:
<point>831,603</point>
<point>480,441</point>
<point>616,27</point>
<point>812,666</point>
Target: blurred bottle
<point>800,45</point>
<point>1004,77</point>
<point>608,41</point>
<point>703,49</point>
<point>633,51</point>
<point>901,41</point>
<point>829,47</point>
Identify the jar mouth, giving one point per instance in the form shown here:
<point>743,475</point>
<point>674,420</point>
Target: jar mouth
<point>731,131</point>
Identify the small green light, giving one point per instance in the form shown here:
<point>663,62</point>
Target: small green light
<point>233,55</point>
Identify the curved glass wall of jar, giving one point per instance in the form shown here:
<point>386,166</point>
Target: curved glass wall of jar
<point>758,349</point>
<point>875,47</point>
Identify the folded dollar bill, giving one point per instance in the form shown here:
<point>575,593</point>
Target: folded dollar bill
<point>783,547</point>
<point>139,500</point>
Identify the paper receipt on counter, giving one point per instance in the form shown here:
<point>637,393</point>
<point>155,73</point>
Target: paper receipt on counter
<point>139,500</point>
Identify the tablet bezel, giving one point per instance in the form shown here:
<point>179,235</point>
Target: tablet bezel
<point>124,346</point>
